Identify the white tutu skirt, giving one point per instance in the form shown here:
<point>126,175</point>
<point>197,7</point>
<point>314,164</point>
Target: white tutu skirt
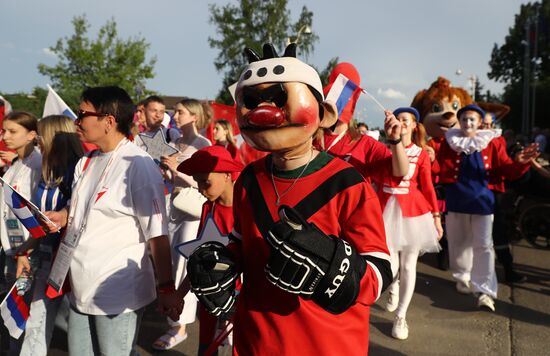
<point>411,233</point>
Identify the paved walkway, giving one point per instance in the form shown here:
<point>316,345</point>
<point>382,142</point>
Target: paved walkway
<point>441,321</point>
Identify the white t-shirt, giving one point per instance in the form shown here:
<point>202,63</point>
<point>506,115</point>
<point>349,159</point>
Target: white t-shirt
<point>24,176</point>
<point>111,272</point>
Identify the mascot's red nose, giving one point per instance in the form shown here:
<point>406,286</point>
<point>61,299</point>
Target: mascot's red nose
<point>265,116</point>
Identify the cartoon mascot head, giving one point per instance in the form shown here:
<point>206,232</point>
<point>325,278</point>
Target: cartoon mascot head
<point>280,102</point>
<point>438,106</point>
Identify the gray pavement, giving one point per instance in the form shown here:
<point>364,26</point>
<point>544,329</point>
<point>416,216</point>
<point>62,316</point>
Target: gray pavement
<point>441,321</point>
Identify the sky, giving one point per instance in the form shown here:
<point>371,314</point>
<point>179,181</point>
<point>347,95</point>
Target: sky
<point>398,46</point>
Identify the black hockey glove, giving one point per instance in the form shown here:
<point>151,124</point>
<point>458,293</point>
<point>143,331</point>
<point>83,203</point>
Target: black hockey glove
<point>305,261</point>
<point>212,275</point>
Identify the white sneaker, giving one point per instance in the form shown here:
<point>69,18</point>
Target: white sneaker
<point>400,329</point>
<point>392,302</point>
<point>486,302</point>
<point>463,287</point>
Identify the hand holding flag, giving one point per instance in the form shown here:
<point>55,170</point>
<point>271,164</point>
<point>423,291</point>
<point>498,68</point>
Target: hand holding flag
<point>23,209</point>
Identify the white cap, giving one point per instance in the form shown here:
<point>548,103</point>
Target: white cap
<point>280,70</point>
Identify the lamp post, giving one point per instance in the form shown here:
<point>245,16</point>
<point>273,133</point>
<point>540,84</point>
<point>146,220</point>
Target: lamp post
<point>305,29</point>
<point>472,80</point>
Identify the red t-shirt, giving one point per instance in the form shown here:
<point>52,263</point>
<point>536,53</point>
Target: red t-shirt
<point>270,321</point>
<point>367,155</point>
<point>223,217</point>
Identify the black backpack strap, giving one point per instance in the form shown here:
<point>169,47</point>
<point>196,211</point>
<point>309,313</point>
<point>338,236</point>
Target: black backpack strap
<point>262,216</point>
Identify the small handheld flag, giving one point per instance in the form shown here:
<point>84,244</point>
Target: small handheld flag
<point>15,312</point>
<point>22,208</point>
<point>341,92</point>
<point>54,105</point>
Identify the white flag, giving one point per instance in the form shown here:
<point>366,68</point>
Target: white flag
<point>56,106</point>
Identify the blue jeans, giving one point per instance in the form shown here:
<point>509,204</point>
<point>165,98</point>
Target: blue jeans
<point>114,335</point>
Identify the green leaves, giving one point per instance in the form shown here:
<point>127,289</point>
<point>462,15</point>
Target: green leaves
<point>106,60</point>
<point>252,23</point>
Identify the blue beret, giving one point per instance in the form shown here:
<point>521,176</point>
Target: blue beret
<point>471,107</point>
<point>409,110</point>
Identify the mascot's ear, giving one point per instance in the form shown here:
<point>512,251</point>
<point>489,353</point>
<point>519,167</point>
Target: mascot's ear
<point>269,51</point>
<point>251,55</point>
<point>418,103</point>
<point>290,50</point>
<point>330,116</point>
<point>500,110</point>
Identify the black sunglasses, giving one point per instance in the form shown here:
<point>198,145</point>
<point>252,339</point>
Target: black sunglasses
<point>82,114</point>
<point>276,94</point>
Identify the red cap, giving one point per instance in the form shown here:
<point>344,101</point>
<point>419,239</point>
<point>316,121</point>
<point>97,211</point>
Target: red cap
<point>352,74</point>
<point>210,159</point>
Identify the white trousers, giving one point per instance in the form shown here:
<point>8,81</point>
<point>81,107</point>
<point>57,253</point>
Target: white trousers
<point>471,253</point>
<point>403,262</point>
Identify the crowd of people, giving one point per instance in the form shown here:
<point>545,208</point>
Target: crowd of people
<point>117,217</point>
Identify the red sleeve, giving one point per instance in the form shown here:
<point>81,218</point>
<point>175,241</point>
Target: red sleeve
<point>425,180</point>
<point>505,166</point>
<point>377,158</point>
<point>435,167</point>
<point>364,229</point>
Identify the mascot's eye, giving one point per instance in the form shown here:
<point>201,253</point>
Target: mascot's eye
<point>275,94</point>
<point>455,105</point>
<point>437,108</point>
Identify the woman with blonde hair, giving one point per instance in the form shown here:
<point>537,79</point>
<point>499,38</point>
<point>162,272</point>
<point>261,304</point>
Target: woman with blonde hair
<point>223,135</point>
<point>61,150</point>
<point>184,217</point>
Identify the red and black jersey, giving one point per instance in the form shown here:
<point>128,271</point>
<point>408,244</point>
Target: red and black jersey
<point>341,203</point>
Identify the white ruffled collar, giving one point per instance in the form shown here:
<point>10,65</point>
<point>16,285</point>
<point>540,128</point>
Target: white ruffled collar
<point>468,145</point>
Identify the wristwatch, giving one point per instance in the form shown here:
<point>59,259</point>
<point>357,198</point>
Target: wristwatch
<point>393,142</point>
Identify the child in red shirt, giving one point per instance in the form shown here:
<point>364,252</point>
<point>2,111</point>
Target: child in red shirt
<point>215,171</point>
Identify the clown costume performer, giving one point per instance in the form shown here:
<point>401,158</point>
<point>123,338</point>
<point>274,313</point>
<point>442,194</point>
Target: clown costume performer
<point>470,162</point>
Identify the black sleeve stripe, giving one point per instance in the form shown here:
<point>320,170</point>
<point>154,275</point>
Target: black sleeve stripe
<point>383,267</point>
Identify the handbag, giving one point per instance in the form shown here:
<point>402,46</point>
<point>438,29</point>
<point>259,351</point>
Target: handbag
<point>189,201</point>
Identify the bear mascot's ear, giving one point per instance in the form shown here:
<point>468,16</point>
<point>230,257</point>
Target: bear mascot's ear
<point>500,110</point>
<point>418,101</point>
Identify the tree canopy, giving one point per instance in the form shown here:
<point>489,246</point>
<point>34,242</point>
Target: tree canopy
<point>106,60</point>
<point>522,63</point>
<point>251,23</point>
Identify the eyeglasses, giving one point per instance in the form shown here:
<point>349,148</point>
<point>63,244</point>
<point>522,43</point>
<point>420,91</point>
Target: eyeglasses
<point>82,114</point>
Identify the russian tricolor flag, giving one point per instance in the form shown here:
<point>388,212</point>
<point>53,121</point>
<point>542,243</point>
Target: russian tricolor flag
<point>21,210</point>
<point>56,106</point>
<point>341,91</point>
<point>15,312</point>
